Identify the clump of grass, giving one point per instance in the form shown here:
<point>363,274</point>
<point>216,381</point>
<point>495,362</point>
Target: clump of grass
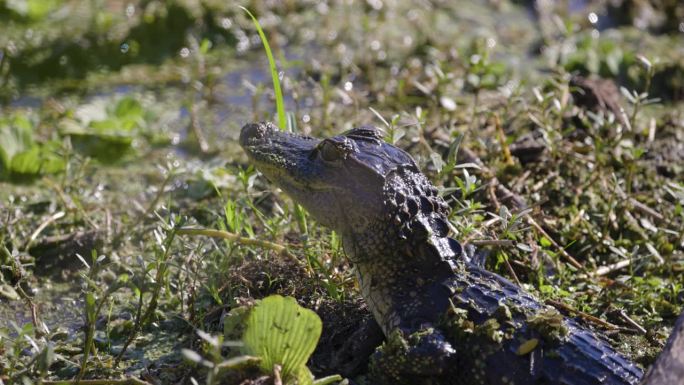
<point>280,105</point>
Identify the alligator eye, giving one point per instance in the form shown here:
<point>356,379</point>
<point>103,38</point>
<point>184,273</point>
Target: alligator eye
<point>330,152</point>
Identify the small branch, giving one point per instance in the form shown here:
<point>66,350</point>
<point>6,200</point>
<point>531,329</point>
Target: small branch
<point>491,191</point>
<point>35,320</point>
<point>277,380</point>
<point>46,223</point>
<point>8,260</point>
<point>125,381</point>
<point>581,314</point>
<point>645,209</point>
<point>280,249</point>
<point>492,242</point>
<point>564,253</point>
<point>603,270</point>
<point>69,204</point>
<point>501,136</point>
<point>632,322</point>
<point>197,129</point>
<point>511,271</point>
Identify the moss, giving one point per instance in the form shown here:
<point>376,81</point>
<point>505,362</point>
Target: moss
<point>549,322</point>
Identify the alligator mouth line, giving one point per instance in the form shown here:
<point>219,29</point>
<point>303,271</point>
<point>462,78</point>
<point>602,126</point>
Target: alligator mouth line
<point>276,167</point>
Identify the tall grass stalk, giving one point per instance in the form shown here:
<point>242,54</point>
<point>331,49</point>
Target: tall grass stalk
<point>280,106</point>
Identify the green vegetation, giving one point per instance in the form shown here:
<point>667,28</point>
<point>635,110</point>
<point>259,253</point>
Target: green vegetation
<point>133,228</point>
<point>275,76</point>
<point>285,334</point>
<point>21,158</point>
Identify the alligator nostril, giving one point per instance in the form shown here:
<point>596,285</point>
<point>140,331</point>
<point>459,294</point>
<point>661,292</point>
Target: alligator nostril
<point>254,131</point>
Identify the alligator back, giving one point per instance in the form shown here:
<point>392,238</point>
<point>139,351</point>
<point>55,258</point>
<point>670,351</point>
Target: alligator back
<point>503,335</point>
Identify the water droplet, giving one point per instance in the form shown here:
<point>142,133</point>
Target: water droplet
<point>447,103</point>
<point>593,18</point>
<point>348,86</point>
<point>322,8</point>
<point>124,48</point>
<point>243,44</point>
<point>130,10</point>
<point>375,4</point>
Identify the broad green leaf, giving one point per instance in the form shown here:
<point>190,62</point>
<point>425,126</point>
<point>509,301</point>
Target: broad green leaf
<point>26,163</point>
<point>16,135</point>
<point>106,148</point>
<point>32,9</point>
<point>104,132</point>
<point>51,161</point>
<point>21,159</point>
<point>128,108</point>
<point>304,376</point>
<point>282,332</point>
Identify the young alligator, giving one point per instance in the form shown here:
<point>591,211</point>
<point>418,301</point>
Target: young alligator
<point>446,320</point>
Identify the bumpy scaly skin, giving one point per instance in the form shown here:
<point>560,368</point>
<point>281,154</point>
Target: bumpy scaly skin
<point>447,321</point>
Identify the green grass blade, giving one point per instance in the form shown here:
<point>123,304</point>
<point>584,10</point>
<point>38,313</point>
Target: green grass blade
<point>280,106</point>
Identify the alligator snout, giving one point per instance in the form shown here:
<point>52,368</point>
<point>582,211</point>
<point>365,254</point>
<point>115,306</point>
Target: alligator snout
<point>255,132</point>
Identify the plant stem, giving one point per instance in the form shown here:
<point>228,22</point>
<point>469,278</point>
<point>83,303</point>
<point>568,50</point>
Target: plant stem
<point>280,106</point>
<point>125,381</point>
<point>280,249</point>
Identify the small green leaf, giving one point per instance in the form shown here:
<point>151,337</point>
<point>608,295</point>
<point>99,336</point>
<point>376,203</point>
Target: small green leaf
<point>437,161</point>
<point>234,321</point>
<point>527,346</point>
<point>128,107</point>
<point>205,46</point>
<point>27,162</point>
<point>16,135</point>
<point>46,358</point>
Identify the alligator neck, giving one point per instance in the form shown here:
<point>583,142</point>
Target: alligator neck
<point>401,277</point>
<point>402,260</point>
<point>403,287</point>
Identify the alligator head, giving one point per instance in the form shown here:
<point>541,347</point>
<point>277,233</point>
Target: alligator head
<point>369,191</point>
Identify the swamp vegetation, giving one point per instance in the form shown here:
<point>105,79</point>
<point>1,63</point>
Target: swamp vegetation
<point>134,233</point>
